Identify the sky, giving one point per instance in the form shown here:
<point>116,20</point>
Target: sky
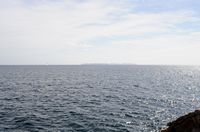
<point>160,32</point>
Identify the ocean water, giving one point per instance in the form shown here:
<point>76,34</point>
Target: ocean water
<point>89,98</point>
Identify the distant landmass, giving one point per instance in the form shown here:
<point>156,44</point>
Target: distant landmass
<point>108,64</point>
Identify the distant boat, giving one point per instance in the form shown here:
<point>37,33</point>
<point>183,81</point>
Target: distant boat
<point>187,123</point>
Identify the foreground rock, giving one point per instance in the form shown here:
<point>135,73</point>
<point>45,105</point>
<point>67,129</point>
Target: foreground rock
<point>186,123</point>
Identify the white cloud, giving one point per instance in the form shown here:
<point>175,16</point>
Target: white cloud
<point>60,33</point>
<point>164,49</point>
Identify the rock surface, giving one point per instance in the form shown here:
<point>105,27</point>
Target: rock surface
<point>186,123</point>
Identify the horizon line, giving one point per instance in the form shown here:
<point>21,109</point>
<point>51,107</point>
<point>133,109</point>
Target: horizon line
<point>100,64</point>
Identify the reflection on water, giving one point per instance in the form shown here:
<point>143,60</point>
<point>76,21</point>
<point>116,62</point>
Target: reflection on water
<point>95,98</point>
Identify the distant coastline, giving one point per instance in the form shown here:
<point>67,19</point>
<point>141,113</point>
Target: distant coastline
<point>108,64</point>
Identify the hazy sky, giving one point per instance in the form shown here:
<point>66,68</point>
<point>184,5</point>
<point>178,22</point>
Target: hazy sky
<point>100,31</point>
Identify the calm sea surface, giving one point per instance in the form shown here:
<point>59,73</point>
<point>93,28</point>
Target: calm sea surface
<point>95,98</point>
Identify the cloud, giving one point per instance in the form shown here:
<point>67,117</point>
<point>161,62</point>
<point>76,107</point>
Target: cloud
<point>164,49</point>
<point>65,32</point>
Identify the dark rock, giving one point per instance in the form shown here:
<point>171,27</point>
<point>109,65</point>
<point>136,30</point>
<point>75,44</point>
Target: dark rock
<point>187,123</point>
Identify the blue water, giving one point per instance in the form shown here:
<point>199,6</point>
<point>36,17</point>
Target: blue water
<point>96,98</point>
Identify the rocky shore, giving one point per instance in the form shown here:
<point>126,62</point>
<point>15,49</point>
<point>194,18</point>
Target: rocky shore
<point>187,123</point>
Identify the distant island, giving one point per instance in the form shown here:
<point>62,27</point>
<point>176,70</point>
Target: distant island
<point>108,64</point>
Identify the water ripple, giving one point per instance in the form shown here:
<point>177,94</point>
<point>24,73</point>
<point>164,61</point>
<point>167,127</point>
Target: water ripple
<point>95,98</point>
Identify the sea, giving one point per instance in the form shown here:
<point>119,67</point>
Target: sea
<point>95,98</point>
